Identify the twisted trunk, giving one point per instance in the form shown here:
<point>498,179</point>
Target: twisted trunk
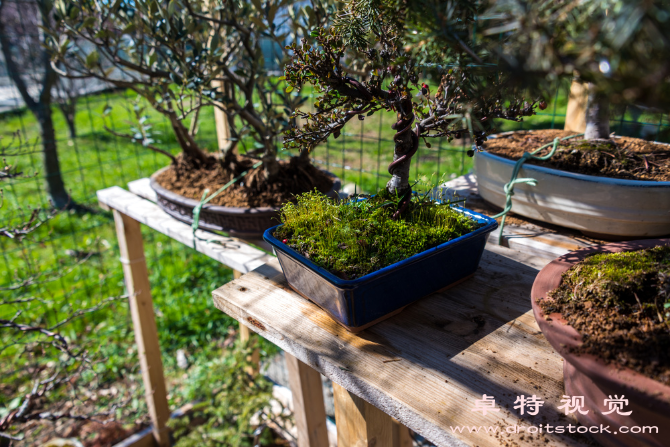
<point>597,115</point>
<point>405,146</point>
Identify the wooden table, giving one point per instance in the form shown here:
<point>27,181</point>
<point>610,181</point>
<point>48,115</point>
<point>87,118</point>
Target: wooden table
<point>382,365</point>
<point>135,207</point>
<point>427,366</point>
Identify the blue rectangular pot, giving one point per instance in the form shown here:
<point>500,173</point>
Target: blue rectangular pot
<point>359,303</point>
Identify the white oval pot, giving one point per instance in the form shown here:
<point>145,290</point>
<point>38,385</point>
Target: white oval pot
<point>602,206</point>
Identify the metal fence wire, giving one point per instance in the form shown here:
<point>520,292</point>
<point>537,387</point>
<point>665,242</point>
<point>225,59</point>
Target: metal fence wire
<point>72,259</point>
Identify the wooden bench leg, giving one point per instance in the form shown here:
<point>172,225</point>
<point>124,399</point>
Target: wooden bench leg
<point>308,407</point>
<point>360,424</point>
<point>401,435</point>
<point>245,335</point>
<point>144,323</point>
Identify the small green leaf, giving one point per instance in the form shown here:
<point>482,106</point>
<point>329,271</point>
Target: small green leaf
<point>289,89</point>
<point>314,32</point>
<point>172,6</point>
<point>92,59</point>
<point>89,22</point>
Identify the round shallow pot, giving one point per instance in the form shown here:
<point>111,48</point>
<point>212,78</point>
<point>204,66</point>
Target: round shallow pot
<point>589,376</point>
<point>240,222</point>
<point>602,206</point>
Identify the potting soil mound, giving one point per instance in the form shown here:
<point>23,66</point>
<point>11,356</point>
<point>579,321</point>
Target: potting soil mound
<point>621,157</point>
<point>252,190</point>
<point>620,304</point>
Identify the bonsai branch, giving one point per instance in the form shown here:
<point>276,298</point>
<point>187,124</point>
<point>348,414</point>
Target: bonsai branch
<point>141,141</point>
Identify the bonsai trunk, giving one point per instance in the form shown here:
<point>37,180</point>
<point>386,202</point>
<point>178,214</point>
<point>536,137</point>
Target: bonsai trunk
<point>188,145</point>
<point>52,173</point>
<point>270,163</point>
<point>597,115</point>
<point>404,149</point>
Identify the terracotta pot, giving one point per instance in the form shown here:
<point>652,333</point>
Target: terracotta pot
<point>240,222</point>
<point>589,376</point>
<point>608,208</point>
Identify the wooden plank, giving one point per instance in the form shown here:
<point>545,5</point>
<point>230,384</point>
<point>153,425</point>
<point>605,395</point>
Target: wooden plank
<point>309,409</point>
<point>143,189</point>
<point>144,324</point>
<point>428,365</point>
<point>575,115</point>
<point>528,238</point>
<point>360,424</point>
<point>233,252</point>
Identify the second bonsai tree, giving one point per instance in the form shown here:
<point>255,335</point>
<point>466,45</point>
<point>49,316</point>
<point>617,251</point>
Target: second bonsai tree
<point>181,57</point>
<point>354,259</point>
<point>463,103</point>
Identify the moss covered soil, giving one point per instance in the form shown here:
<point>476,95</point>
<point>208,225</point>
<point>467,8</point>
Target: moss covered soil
<point>359,235</point>
<point>620,304</point>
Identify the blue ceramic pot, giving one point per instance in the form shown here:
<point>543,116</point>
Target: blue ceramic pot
<point>359,303</point>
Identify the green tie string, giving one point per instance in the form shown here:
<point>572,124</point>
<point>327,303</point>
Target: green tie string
<point>205,199</point>
<point>509,187</point>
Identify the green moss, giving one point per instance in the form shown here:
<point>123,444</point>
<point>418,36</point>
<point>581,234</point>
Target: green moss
<point>620,305</point>
<point>355,237</point>
<point>626,280</point>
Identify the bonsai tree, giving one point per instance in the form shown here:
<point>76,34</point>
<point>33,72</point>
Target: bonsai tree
<point>373,35</point>
<point>183,55</point>
<point>620,49</point>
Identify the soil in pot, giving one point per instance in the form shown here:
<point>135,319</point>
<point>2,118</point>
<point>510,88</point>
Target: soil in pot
<point>366,233</point>
<point>621,157</point>
<point>620,304</point>
<point>253,190</point>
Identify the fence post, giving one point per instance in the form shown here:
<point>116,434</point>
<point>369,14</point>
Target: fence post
<point>144,323</point>
<point>575,116</point>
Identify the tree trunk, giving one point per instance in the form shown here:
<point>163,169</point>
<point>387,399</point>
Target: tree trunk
<point>69,110</point>
<point>404,145</point>
<point>188,145</point>
<point>597,115</point>
<point>52,174</point>
<point>270,163</point>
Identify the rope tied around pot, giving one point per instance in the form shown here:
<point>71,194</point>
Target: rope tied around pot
<point>509,187</point>
<point>205,199</point>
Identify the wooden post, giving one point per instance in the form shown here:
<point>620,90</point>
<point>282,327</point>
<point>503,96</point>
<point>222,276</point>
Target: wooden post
<point>360,424</point>
<point>401,435</point>
<point>575,116</point>
<point>144,324</point>
<point>245,335</point>
<point>221,120</point>
<point>309,409</point>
